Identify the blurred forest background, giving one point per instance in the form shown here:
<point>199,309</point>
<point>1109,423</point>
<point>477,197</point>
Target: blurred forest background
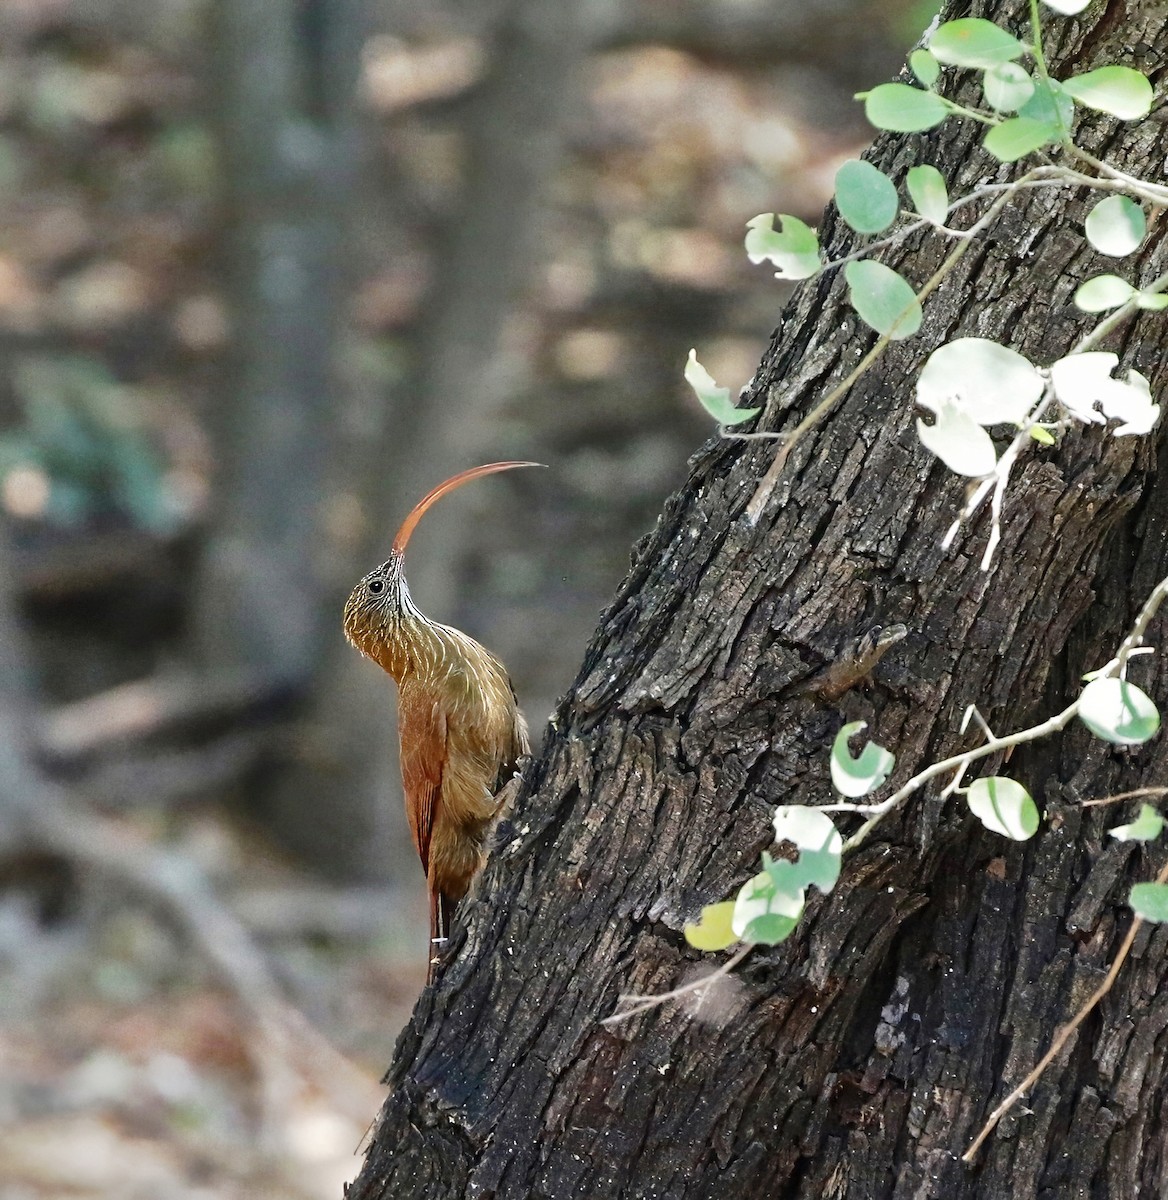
<point>269,269</point>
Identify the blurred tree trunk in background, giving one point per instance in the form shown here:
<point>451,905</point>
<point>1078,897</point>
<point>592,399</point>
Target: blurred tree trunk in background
<point>860,1058</point>
<point>286,73</point>
<point>444,418</point>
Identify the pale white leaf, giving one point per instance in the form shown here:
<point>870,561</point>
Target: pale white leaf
<point>1083,384</point>
<point>988,383</point>
<point>1130,402</point>
<point>959,442</point>
<point>1079,380</point>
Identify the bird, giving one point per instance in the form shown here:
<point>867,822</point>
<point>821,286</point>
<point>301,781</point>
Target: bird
<point>459,724</point>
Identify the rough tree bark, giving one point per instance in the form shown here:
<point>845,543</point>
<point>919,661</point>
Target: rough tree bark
<point>860,1058</point>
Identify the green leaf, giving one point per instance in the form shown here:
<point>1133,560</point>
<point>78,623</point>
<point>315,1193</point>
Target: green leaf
<point>1003,806</point>
<point>855,777</point>
<point>794,248</point>
<point>712,930</point>
<point>925,67</point>
<point>866,197</point>
<point>1145,828</point>
<point>819,843</point>
<point>926,186</point>
<point>1150,901</point>
<point>714,399</point>
<point>884,299</point>
<point>1052,103</point>
<point>1120,91</point>
<point>991,384</point>
<point>1007,87</point>
<point>973,42</point>
<point>1018,136</point>
<point>903,109</point>
<point>766,913</point>
<point>1103,292</point>
<point>959,442</point>
<point>1118,711</point>
<point>1043,437</point>
<point>1116,226</point>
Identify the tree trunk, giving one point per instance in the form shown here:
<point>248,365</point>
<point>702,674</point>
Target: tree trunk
<point>859,1058</point>
<point>287,74</point>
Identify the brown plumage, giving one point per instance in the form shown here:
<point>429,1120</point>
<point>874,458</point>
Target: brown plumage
<point>460,728</point>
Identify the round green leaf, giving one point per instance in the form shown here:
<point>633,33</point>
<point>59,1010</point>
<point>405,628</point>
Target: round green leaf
<point>903,109</point>
<point>819,842</point>
<point>1145,828</point>
<point>884,299</point>
<point>1118,711</point>
<point>1116,226</point>
<point>1003,806</point>
<point>1103,292</point>
<point>974,42</point>
<point>712,930</point>
<point>925,67</point>
<point>1120,91</point>
<point>1150,901</point>
<point>1007,87</point>
<point>855,777</point>
<point>768,929</point>
<point>866,197</point>
<point>714,399</point>
<point>1052,103</point>
<point>764,913</point>
<point>1015,138</point>
<point>959,442</point>
<point>926,186</point>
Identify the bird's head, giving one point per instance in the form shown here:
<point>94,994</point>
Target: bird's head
<point>374,608</point>
<point>377,605</point>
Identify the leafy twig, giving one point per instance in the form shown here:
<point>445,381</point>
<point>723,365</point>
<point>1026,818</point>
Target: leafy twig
<point>959,762</point>
<point>766,486</point>
<point>1063,1035</point>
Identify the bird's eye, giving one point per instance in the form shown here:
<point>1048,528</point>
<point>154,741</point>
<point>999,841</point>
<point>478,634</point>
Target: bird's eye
<point>375,586</point>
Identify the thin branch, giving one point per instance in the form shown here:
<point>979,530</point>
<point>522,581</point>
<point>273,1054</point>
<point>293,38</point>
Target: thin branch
<point>766,486</point>
<point>1062,1036</point>
<point>642,1004</point>
<point>1148,791</point>
<point>1153,193</point>
<point>959,762</point>
<point>1048,178</point>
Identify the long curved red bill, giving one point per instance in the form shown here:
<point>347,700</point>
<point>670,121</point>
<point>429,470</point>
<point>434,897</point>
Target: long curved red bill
<point>455,481</point>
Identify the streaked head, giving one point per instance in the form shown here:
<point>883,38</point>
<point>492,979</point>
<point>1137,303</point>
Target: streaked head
<point>376,605</point>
